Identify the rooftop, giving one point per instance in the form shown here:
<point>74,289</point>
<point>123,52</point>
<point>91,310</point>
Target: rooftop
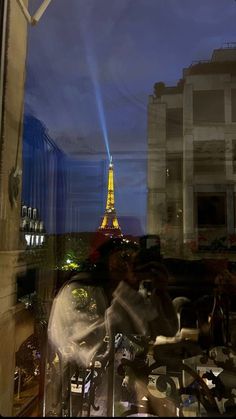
<point>223,61</point>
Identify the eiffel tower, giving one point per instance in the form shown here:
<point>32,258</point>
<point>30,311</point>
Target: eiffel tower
<point>110,225</point>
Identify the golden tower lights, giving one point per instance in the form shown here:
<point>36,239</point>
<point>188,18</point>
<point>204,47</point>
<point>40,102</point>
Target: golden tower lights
<point>110,224</point>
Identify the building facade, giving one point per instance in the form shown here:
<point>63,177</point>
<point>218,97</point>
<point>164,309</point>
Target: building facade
<point>21,272</point>
<point>44,174</point>
<point>14,324</point>
<point>32,227</point>
<point>191,157</point>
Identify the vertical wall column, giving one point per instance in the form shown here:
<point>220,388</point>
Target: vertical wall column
<point>230,208</point>
<point>10,192</point>
<point>230,134</point>
<point>156,179</point>
<point>228,110</point>
<point>188,161</point>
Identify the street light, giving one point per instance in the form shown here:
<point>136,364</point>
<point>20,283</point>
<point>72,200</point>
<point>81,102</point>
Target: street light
<point>33,20</point>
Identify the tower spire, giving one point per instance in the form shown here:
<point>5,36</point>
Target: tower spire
<point>110,224</point>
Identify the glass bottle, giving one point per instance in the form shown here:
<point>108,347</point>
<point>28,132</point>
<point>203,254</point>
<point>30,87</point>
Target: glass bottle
<point>218,326</point>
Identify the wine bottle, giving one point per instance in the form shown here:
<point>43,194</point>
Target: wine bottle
<point>217,322</point>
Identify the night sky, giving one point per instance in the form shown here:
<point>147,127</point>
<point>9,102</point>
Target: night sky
<point>92,64</point>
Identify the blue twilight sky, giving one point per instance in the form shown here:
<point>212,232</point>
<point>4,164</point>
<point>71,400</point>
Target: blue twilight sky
<point>92,64</point>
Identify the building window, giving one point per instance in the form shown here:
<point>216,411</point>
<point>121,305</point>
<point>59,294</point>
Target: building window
<point>26,283</point>
<point>174,168</point>
<point>233,104</point>
<point>235,214</point>
<point>208,106</point>
<point>234,155</point>
<point>174,213</point>
<point>211,209</point>
<point>209,157</point>
<point>174,122</point>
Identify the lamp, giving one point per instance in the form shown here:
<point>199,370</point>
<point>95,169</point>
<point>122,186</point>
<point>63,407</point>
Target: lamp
<point>33,20</point>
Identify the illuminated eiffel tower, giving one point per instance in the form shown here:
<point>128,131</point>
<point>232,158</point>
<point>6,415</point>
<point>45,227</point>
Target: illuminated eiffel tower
<point>110,225</point>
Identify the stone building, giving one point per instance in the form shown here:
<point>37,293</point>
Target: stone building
<point>191,157</point>
<point>22,272</point>
<point>18,269</point>
<point>13,53</point>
